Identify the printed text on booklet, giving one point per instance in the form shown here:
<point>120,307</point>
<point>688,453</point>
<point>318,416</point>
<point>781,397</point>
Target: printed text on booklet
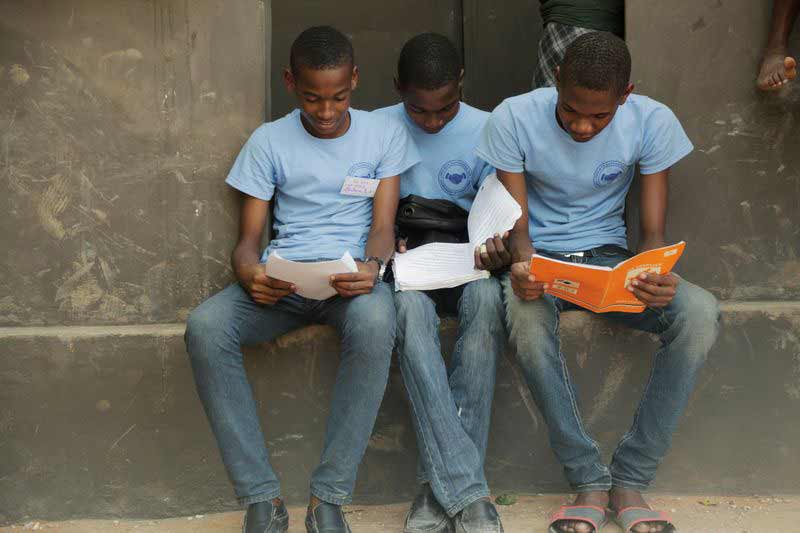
<point>603,289</point>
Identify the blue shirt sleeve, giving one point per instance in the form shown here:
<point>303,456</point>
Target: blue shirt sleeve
<point>499,144</point>
<point>399,151</point>
<point>253,172</point>
<point>481,173</point>
<point>665,143</point>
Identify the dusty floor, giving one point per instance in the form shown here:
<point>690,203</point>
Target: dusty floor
<point>693,514</point>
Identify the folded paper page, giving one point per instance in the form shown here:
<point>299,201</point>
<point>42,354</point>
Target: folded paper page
<point>311,279</point>
<point>436,266</point>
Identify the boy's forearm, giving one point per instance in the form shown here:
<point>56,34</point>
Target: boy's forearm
<point>244,255</point>
<point>380,243</point>
<point>651,241</point>
<point>520,244</point>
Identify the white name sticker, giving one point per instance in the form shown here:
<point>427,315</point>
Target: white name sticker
<point>360,186</point>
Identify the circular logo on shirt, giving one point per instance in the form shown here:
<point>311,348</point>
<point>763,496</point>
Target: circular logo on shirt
<point>609,172</point>
<point>363,169</point>
<point>455,177</point>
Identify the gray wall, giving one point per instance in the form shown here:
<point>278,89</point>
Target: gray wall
<point>117,128</point>
<point>736,199</point>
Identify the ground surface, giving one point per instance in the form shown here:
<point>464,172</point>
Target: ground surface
<point>693,514</point>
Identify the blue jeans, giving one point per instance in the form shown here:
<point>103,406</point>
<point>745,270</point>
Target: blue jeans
<point>220,325</point>
<point>451,407</point>
<point>687,328</point>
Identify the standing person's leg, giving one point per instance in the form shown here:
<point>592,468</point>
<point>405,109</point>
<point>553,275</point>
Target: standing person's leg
<point>552,46</point>
<point>450,462</point>
<point>533,328</point>
<point>480,343</point>
<point>215,332</point>
<point>366,327</point>
<point>777,66</point>
<point>687,328</point>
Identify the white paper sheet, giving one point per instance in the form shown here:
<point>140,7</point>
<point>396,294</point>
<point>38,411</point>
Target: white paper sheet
<point>493,211</point>
<point>436,266</point>
<point>311,279</point>
<point>444,265</point>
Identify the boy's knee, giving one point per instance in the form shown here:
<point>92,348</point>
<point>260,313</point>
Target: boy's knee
<point>484,298</point>
<point>373,317</point>
<point>701,309</point>
<point>201,324</point>
<point>411,305</point>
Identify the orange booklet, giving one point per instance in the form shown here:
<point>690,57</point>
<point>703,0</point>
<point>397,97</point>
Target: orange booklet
<point>603,289</point>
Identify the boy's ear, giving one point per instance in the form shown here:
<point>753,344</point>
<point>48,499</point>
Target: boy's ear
<point>557,73</point>
<point>461,79</point>
<point>397,86</point>
<point>288,80</point>
<point>626,94</point>
<point>354,79</point>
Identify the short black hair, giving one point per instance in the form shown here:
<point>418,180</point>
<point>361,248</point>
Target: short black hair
<point>428,61</point>
<point>599,61</point>
<point>321,48</point>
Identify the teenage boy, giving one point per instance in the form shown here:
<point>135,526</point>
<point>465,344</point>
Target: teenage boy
<point>567,155</point>
<point>451,407</point>
<point>302,161</point>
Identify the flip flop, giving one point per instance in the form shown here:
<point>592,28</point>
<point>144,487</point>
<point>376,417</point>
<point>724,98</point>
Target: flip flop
<point>630,516</point>
<point>594,516</point>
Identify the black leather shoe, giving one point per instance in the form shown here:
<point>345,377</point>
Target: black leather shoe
<point>427,515</point>
<point>326,518</point>
<point>264,517</point>
<point>478,517</point>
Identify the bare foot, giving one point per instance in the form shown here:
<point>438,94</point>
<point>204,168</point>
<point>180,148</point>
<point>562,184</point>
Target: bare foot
<point>776,70</point>
<point>621,498</point>
<point>596,499</point>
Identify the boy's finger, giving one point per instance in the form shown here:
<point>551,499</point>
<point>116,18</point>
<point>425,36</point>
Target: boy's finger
<point>351,276</point>
<point>354,285</point>
<point>478,261</point>
<point>278,284</point>
<point>491,253</point>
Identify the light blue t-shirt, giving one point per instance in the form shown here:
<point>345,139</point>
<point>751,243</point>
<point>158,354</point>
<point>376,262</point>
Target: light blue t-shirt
<point>304,174</point>
<point>576,191</point>
<point>450,169</point>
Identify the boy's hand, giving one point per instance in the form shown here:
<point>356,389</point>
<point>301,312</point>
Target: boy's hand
<point>354,283</point>
<point>654,290</point>
<point>524,283</point>
<point>264,289</point>
<point>493,254</point>
<point>401,246</point>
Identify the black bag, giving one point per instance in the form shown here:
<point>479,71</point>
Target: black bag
<point>422,221</point>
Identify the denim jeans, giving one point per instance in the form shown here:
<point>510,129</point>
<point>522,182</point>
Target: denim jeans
<point>451,407</point>
<point>214,334</point>
<point>687,328</point>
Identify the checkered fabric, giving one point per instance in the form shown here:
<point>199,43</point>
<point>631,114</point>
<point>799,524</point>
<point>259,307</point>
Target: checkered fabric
<point>552,46</point>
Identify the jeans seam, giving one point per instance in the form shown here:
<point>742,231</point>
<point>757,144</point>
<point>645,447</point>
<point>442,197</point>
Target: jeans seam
<point>430,474</point>
<point>256,498</point>
<point>629,435</point>
<point>466,500</point>
<point>624,484</point>
<point>335,500</point>
<point>570,390</point>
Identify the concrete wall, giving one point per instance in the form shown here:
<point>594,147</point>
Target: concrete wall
<point>118,126</point>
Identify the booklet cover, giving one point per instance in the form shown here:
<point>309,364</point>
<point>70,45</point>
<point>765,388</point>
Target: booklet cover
<point>603,289</point>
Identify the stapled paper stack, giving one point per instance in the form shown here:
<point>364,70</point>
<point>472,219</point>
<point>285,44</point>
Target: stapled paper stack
<point>444,265</point>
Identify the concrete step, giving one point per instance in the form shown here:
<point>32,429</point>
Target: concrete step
<point>105,421</point>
